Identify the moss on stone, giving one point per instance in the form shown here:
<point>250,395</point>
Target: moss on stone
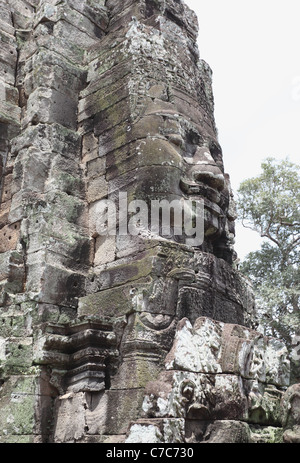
<point>17,406</point>
<point>266,435</point>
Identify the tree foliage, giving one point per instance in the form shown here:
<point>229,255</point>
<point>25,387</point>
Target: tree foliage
<point>269,204</point>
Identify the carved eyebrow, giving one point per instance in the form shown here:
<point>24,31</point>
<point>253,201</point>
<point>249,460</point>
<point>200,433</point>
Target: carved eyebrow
<point>192,140</point>
<point>215,149</point>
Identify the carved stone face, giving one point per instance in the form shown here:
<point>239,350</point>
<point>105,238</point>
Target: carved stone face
<point>203,166</point>
<point>174,159</point>
<point>203,176</point>
<point>197,172</point>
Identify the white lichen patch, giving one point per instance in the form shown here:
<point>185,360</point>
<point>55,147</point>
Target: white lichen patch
<point>2,349</point>
<point>196,350</point>
<point>143,434</point>
<point>138,40</point>
<point>277,363</point>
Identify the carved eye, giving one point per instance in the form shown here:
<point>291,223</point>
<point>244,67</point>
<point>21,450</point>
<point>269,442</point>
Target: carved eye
<point>216,151</point>
<point>192,141</point>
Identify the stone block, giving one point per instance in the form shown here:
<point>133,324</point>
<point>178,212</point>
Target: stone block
<point>215,347</point>
<point>105,250</point>
<point>7,187</point>
<point>16,322</point>
<point>125,16</point>
<point>85,23</point>
<point>71,34</point>
<point>123,407</point>
<point>18,407</point>
<point>96,12</point>
<point>277,363</point>
<point>59,237</point>
<point>113,116</point>
<point>264,403</point>
<point>153,180</point>
<point>48,106</point>
<point>53,138</point>
<point>31,170</point>
<point>125,133</point>
<point>9,113</point>
<point>144,153</point>
<point>90,148</point>
<point>111,302</point>
<point>196,396</point>
<point>12,273</point>
<point>70,424</point>
<point>2,348</point>
<point>7,259</point>
<point>9,237</point>
<point>66,286</point>
<point>101,77</point>
<point>102,99</point>
<point>73,209</point>
<point>97,189</point>
<point>8,94</point>
<point>166,431</point>
<point>18,356</point>
<point>96,167</point>
<point>136,373</point>
<point>229,432</point>
<point>6,16</point>
<point>25,8</point>
<point>53,71</point>
<point>266,435</point>
<point>83,16</point>
<point>292,436</point>
<point>66,180</point>
<point>290,407</point>
<point>8,58</point>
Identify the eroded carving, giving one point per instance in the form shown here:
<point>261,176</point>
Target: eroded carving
<point>143,337</point>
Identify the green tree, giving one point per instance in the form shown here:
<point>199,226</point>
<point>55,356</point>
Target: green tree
<point>269,204</point>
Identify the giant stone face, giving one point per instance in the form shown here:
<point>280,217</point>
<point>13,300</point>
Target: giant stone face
<point>138,337</point>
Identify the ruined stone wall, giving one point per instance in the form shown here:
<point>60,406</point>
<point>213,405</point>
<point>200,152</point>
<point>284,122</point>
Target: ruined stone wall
<point>140,337</point>
<point>45,244</point>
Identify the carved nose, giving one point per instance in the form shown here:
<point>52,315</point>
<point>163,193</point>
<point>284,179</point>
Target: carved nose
<point>206,171</point>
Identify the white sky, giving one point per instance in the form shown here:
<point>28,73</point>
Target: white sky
<point>253,50</point>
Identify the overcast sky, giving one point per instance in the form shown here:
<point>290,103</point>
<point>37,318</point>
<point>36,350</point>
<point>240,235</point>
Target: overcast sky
<point>253,50</point>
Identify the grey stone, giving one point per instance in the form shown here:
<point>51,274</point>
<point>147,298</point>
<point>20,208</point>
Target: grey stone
<point>126,338</point>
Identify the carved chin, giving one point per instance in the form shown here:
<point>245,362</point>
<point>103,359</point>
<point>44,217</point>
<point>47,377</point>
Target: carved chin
<point>213,222</point>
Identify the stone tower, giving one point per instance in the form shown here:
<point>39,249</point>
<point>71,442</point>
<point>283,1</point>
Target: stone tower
<point>141,337</point>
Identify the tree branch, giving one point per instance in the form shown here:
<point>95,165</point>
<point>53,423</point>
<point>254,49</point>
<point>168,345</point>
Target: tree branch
<point>267,235</point>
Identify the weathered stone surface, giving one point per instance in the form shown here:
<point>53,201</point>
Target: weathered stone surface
<point>266,435</point>
<point>123,407</point>
<point>20,416</point>
<point>291,414</point>
<point>214,347</point>
<point>70,425</point>
<point>198,385</point>
<point>167,431</point>
<point>232,432</point>
<point>136,336</point>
